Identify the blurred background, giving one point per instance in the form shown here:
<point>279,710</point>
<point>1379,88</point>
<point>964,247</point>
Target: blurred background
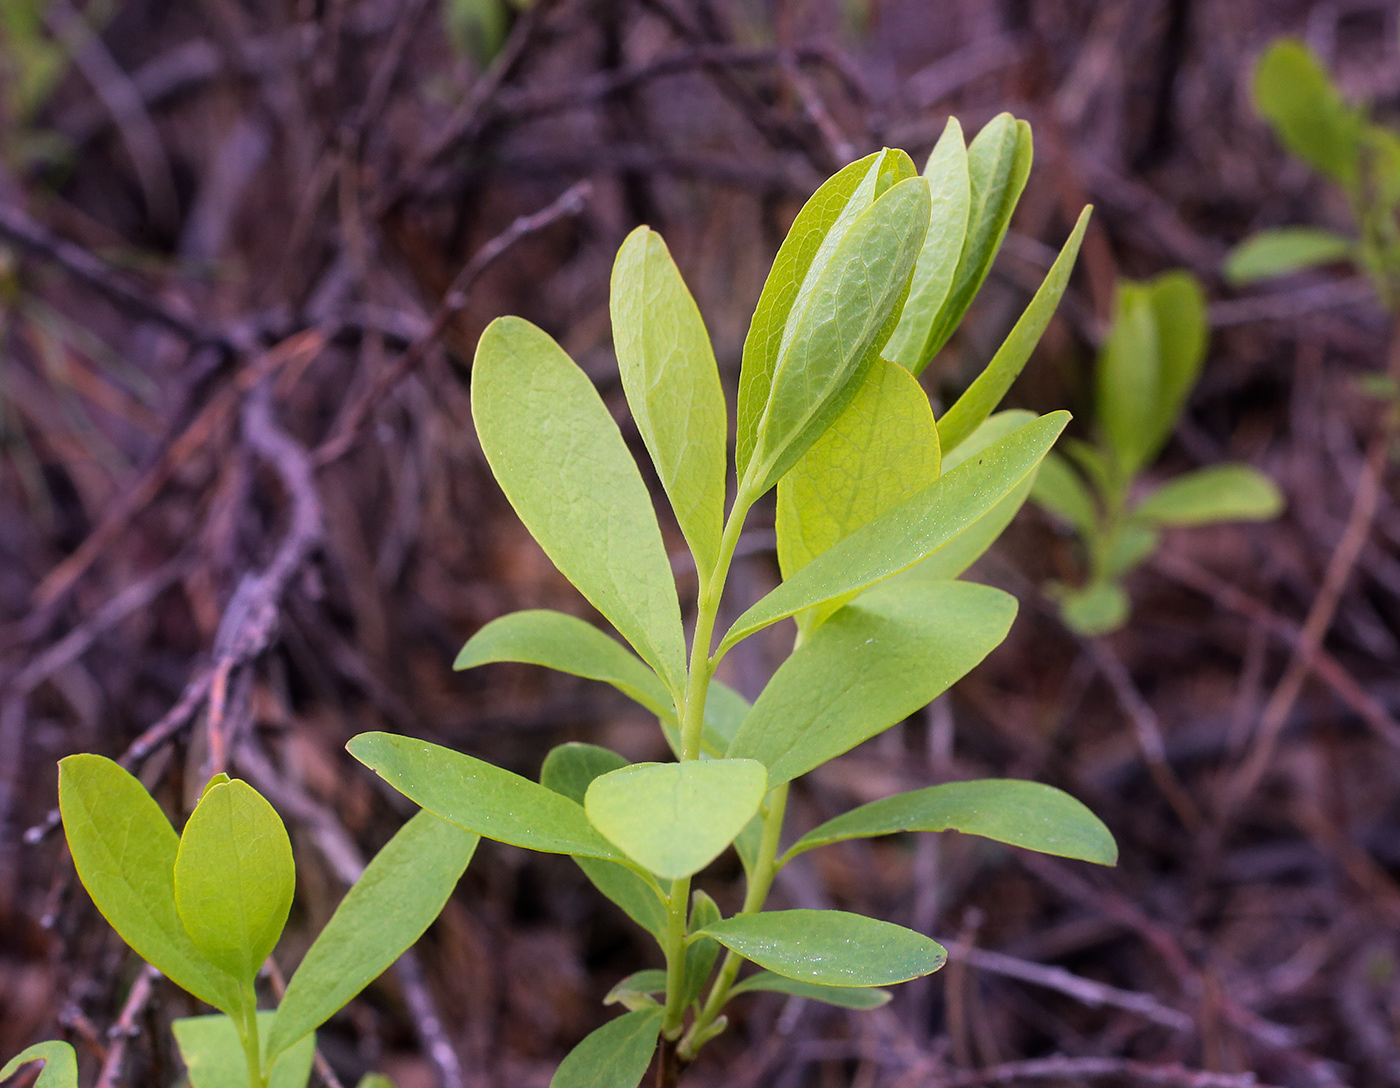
<point>246,249</point>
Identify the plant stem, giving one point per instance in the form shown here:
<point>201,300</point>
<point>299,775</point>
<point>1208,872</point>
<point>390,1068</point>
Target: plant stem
<point>248,1033</point>
<point>760,881</point>
<point>675,958</point>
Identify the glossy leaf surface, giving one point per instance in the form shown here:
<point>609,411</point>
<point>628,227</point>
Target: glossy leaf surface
<point>403,888</point>
<point>675,818</point>
<point>1283,251</point>
<point>830,947</point>
<point>561,462</point>
<point>980,399</point>
<point>124,850</point>
<point>1218,493</point>
<point>60,1064</point>
<point>614,1056</point>
<point>556,640</point>
<point>846,997</point>
<point>213,1054</point>
<point>1025,814</point>
<point>481,797</point>
<point>875,662</point>
<point>672,384</point>
<point>914,529</point>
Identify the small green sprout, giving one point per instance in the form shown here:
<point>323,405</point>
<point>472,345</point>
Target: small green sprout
<point>1148,365</point>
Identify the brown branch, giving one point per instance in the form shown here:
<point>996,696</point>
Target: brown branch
<point>125,1027</point>
<point>1064,1068</point>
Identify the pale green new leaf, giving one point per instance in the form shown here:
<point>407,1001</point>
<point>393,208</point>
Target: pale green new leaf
<point>1307,112</point>
<point>872,664</point>
<point>847,997</point>
<point>234,878</point>
<point>614,1056</point>
<point>832,340</point>
<point>481,797</point>
<point>879,451</point>
<point>914,529</point>
<point>556,640</point>
<point>805,252</point>
<point>673,819</point>
<point>60,1064</point>
<point>1285,250</point>
<point>830,947</point>
<point>672,385</point>
<point>1025,814</point>
<point>1129,376</point>
<point>1183,329</point>
<point>213,1054</point>
<point>980,399</point>
<point>1062,491</point>
<point>569,769</point>
<point>1096,609</point>
<point>638,984</point>
<point>999,162</point>
<point>951,190</point>
<point>401,891</point>
<point>561,462</point>
<point>1218,493</point>
<point>124,851</point>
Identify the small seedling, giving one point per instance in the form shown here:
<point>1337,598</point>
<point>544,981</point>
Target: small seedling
<point>879,510</point>
<point>206,908</point>
<point>1146,370</point>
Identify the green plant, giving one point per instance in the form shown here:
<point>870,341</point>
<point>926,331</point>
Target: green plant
<point>206,908</point>
<point>1147,367</point>
<point>1315,122</point>
<point>879,510</point>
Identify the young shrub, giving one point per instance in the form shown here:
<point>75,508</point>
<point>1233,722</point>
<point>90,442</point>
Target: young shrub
<point>1146,370</point>
<point>206,908</point>
<point>880,508</point>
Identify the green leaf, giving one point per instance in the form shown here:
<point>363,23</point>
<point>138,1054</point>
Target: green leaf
<point>833,339</point>
<point>374,1080</point>
<point>561,462</point>
<point>998,162</point>
<point>1130,544</point>
<point>476,28</point>
<point>480,797</point>
<point>1218,493</point>
<point>725,711</point>
<point>914,529</point>
<point>401,891</point>
<point>1307,112</point>
<point>1183,330</point>
<point>847,997</point>
<point>801,259</point>
<point>700,955</point>
<point>1025,814</point>
<point>673,819</point>
<point>672,385</point>
<point>558,641</point>
<point>830,947</point>
<point>614,1056</point>
<point>124,851</point>
<point>234,878</point>
<point>881,449</point>
<point>1096,609</point>
<point>882,657</point>
<point>213,1054</point>
<point>984,394</point>
<point>60,1064</point>
<point>1062,491</point>
<point>951,560</point>
<point>1283,251</point>
<point>639,984</point>
<point>1129,377</point>
<point>951,189</point>
<point>568,770</point>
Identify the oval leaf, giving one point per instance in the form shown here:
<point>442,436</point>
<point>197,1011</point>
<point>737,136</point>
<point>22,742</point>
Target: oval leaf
<point>480,797</point>
<point>1218,493</point>
<point>60,1064</point>
<point>1095,609</point>
<point>555,640</point>
<point>561,461</point>
<point>1307,112</point>
<point>1283,251</point>
<point>1025,814</point>
<point>875,662</point>
<point>675,818</point>
<point>213,1054</point>
<point>672,385</point>
<point>830,947</point>
<point>913,530</point>
<point>234,878</point>
<point>401,891</point>
<point>1183,331</point>
<point>614,1056</point>
<point>124,851</point>
<point>847,997</point>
